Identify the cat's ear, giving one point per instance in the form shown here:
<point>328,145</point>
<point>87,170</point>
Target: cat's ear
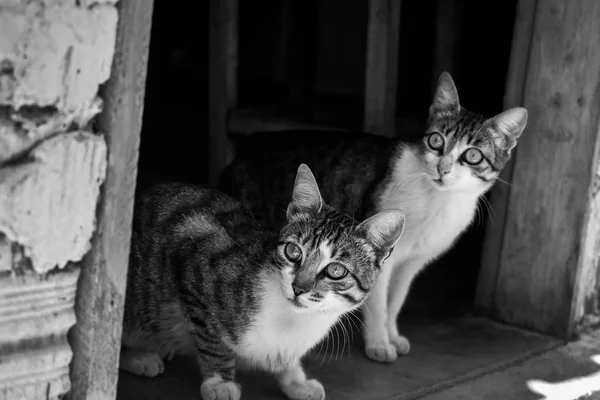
<point>384,228</point>
<point>445,99</point>
<point>306,196</point>
<point>509,126</point>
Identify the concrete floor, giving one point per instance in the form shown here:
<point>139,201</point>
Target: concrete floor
<point>462,358</point>
<point>567,372</point>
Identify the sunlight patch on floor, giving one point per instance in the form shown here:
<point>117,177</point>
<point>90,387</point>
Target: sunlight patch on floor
<point>569,389</point>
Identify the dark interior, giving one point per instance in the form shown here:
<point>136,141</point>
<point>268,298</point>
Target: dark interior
<point>304,59</point>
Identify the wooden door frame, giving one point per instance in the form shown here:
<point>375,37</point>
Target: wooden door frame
<point>542,250</point>
<point>96,337</point>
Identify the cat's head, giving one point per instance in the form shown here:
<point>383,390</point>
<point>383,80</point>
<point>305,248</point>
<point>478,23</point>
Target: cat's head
<point>328,262</point>
<point>462,150</point>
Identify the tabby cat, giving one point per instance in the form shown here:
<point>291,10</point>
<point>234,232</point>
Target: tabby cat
<point>436,179</point>
<point>206,279</point>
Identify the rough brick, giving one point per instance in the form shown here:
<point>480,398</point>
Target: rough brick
<point>48,204</point>
<point>55,52</point>
<point>23,129</point>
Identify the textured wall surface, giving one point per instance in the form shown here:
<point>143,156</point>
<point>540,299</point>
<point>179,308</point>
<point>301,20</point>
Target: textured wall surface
<point>54,54</point>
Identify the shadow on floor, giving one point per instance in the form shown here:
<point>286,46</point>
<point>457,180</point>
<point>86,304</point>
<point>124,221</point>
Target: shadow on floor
<point>444,354</point>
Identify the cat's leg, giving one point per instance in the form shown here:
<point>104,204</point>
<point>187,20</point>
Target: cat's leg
<point>139,362</point>
<point>216,387</point>
<point>401,281</point>
<point>295,386</point>
<point>217,365</point>
<point>140,353</point>
<point>374,311</point>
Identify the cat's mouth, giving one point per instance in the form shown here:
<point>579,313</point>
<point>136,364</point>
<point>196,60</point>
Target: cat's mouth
<point>296,303</point>
<point>438,182</point>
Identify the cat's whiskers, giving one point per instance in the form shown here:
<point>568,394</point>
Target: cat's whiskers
<point>503,181</point>
<point>337,334</point>
<point>361,322</point>
<point>320,349</point>
<point>343,338</point>
<point>471,227</point>
<point>366,306</point>
<point>481,213</point>
<point>336,345</point>
<point>479,218</point>
<point>326,348</point>
<point>350,315</point>
<point>345,335</point>
<point>487,204</point>
<point>411,178</point>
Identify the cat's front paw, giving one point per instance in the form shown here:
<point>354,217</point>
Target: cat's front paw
<point>142,363</point>
<point>310,389</point>
<point>218,389</point>
<point>401,343</point>
<point>381,351</point>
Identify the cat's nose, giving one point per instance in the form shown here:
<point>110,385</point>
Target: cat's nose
<point>298,290</point>
<point>444,167</point>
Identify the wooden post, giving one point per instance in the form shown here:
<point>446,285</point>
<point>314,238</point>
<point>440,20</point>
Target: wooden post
<point>100,296</point>
<point>586,307</point>
<point>223,61</point>
<point>383,34</point>
<point>543,257</point>
<point>515,89</point>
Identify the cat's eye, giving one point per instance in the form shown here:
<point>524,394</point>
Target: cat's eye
<point>335,271</point>
<point>473,156</point>
<point>292,252</point>
<point>435,141</point>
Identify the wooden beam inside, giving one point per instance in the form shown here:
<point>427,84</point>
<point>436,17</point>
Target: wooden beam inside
<point>96,337</point>
<point>513,97</point>
<point>381,72</point>
<point>542,259</point>
<point>223,61</point>
<point>247,121</point>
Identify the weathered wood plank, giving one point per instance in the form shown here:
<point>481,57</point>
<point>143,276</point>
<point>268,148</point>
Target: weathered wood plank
<point>513,97</point>
<point>587,302</point>
<point>223,62</point>
<point>101,289</point>
<point>381,72</point>
<point>549,204</point>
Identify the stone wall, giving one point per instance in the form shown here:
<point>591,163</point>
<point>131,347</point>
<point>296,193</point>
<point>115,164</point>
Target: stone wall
<point>54,55</point>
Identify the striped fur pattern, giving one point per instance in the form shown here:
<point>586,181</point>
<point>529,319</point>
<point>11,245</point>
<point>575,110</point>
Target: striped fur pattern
<point>436,178</point>
<point>205,279</point>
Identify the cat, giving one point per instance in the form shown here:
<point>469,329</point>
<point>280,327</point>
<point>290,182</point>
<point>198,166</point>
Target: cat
<point>436,179</point>
<point>206,279</point>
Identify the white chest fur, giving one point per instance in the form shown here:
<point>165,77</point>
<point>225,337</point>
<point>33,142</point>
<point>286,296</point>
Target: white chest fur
<point>281,335</point>
<point>434,218</point>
